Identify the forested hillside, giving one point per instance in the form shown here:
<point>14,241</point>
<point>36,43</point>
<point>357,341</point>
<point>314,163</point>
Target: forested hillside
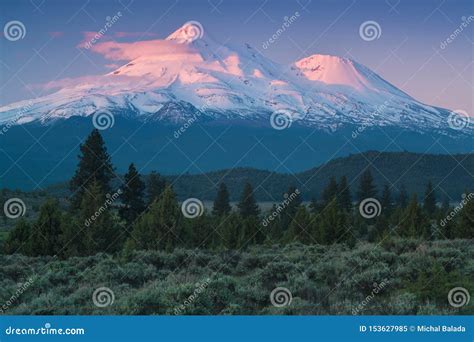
<point>131,233</point>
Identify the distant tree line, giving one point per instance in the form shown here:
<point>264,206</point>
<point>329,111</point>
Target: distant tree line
<point>140,216</point>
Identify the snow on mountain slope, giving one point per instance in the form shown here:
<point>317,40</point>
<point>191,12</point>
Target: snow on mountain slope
<point>203,75</point>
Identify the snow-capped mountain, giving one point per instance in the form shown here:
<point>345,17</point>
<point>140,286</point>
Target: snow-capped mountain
<point>200,75</point>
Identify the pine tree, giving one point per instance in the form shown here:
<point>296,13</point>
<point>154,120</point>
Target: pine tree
<point>429,203</point>
<point>169,220</point>
<point>380,229</point>
<point>367,188</point>
<point>2,201</point>
<point>74,238</point>
<point>198,232</point>
<point>445,206</point>
<point>147,231</point>
<point>300,227</point>
<point>251,232</point>
<point>387,205</point>
<point>221,203</point>
<point>413,222</point>
<point>230,229</point>
<point>159,228</point>
<point>274,226</point>
<point>344,194</point>
<point>332,224</point>
<point>46,232</point>
<point>133,203</point>
<point>95,220</point>
<point>154,187</point>
<point>248,206</point>
<point>314,206</point>
<point>94,166</point>
<point>402,197</point>
<point>465,227</point>
<point>291,202</point>
<point>18,240</point>
<point>330,191</point>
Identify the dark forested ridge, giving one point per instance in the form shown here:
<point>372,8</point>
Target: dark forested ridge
<point>452,173</point>
<point>240,146</point>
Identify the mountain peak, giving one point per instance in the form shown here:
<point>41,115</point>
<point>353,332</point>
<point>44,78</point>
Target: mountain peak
<point>333,70</point>
<point>341,71</point>
<point>325,59</point>
<point>191,67</point>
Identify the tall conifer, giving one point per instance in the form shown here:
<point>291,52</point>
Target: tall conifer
<point>94,166</point>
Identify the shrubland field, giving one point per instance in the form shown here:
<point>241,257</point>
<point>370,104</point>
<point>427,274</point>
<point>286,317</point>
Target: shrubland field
<point>397,277</point>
